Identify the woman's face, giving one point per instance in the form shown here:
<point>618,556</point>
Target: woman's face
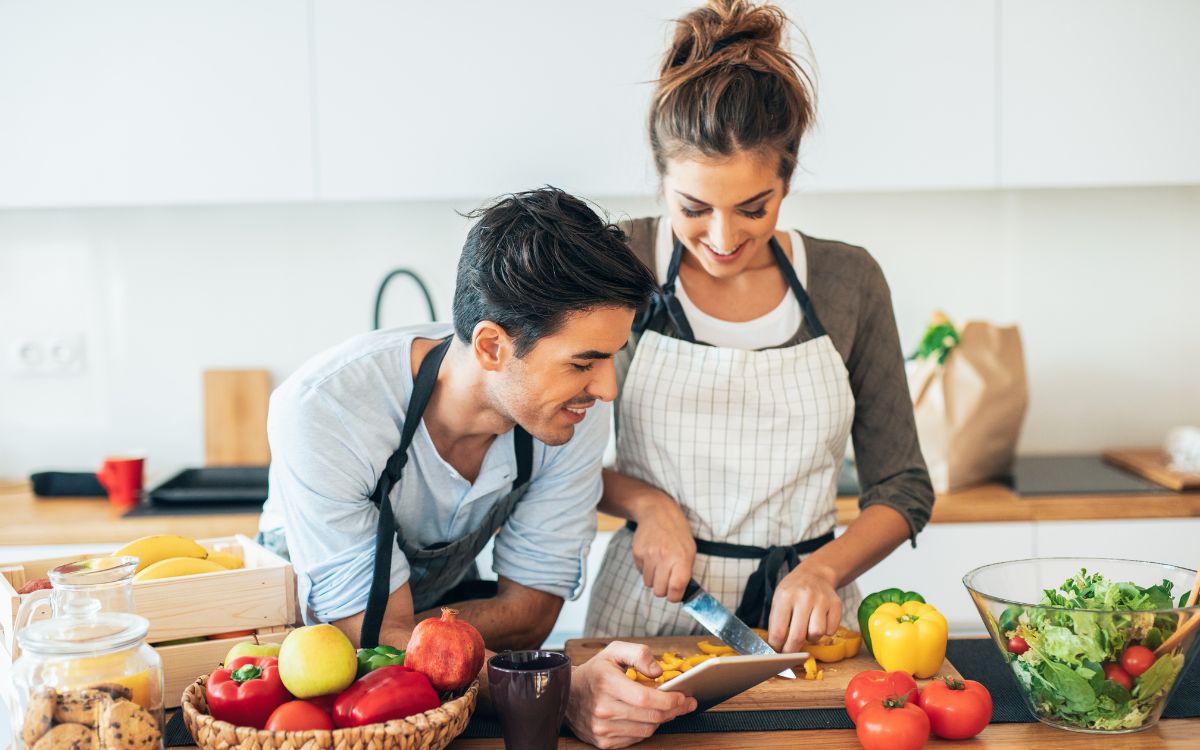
<point>725,210</point>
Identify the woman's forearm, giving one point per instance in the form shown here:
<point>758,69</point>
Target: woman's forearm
<point>629,498</point>
<point>868,539</point>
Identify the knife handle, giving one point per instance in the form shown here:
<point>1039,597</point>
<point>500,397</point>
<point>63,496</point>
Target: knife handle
<point>692,589</point>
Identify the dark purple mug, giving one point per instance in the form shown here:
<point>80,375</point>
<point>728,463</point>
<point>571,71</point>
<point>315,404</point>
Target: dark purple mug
<point>530,690</point>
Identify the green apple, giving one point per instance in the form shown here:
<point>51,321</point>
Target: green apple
<point>317,660</point>
<point>251,649</point>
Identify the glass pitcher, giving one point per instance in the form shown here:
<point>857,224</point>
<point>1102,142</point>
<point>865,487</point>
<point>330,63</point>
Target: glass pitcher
<point>106,580</point>
<point>87,679</point>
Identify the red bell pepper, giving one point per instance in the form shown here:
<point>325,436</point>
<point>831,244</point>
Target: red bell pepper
<point>387,693</point>
<point>246,691</point>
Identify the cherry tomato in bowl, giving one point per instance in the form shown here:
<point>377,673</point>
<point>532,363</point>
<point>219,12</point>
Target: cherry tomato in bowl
<point>957,709</point>
<point>1136,660</point>
<point>1114,672</point>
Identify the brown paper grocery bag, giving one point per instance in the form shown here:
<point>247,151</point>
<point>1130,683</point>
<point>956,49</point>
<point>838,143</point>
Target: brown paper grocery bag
<point>969,410</point>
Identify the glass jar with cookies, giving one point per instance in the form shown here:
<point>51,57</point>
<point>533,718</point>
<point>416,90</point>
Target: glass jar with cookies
<point>86,680</point>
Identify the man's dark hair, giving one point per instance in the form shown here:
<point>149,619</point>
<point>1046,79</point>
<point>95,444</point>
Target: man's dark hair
<point>534,258</point>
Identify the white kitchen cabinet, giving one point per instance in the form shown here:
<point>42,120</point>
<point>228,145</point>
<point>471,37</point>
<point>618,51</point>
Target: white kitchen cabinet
<point>1099,92</point>
<point>146,102</point>
<point>451,100</point>
<point>538,92</point>
<point>1163,540</point>
<point>906,94</point>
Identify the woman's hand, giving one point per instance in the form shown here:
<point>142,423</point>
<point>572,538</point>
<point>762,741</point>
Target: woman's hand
<point>609,710</point>
<point>663,547</point>
<point>806,606</point>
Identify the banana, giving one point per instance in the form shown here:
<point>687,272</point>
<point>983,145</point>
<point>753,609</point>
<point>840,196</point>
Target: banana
<point>178,566</point>
<point>226,560</point>
<point>151,549</point>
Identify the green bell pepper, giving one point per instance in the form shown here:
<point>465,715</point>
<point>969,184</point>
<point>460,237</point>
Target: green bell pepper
<point>872,603</point>
<point>370,659</point>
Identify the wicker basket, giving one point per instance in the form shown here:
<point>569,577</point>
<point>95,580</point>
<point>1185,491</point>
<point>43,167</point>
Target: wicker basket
<point>432,730</point>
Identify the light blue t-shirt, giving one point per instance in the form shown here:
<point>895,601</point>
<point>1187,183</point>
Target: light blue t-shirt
<point>333,425</point>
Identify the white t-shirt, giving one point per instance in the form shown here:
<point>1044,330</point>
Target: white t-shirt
<point>772,329</point>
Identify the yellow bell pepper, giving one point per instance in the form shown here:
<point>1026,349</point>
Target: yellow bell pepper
<point>844,644</point>
<point>810,668</point>
<point>909,637</point>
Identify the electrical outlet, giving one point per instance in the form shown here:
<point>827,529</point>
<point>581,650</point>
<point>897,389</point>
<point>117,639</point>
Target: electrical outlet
<point>55,355</point>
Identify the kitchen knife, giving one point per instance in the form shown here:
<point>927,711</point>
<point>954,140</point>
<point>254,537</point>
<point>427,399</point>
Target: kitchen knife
<point>704,608</point>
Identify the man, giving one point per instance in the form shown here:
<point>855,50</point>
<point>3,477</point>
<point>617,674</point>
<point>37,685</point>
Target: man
<point>498,424</point>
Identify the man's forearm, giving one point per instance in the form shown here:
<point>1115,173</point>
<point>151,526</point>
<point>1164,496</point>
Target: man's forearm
<point>516,621</point>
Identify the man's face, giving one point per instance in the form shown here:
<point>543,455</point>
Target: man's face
<point>550,389</point>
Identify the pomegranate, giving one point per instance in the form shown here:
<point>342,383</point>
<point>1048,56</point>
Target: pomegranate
<point>448,651</point>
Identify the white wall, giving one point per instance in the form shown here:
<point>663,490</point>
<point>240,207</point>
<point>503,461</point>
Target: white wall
<point>1101,282</point>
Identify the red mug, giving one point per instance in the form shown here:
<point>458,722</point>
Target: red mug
<point>122,477</point>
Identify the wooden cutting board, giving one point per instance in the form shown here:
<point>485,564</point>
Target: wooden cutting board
<point>1153,464</point>
<point>235,417</point>
<point>776,693</point>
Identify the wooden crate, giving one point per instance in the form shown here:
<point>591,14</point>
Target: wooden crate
<point>182,664</point>
<point>260,596</point>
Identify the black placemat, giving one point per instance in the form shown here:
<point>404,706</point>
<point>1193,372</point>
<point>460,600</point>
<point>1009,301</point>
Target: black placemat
<point>976,658</point>
<point>199,509</point>
<point>1034,476</point>
<point>1038,476</point>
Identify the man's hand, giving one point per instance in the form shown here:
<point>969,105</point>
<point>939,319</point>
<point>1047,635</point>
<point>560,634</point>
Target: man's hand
<point>663,547</point>
<point>806,606</point>
<point>609,710</point>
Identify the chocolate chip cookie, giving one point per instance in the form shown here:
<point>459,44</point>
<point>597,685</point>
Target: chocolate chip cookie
<point>127,726</point>
<point>68,736</point>
<point>39,716</point>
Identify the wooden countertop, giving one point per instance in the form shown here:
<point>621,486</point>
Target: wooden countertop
<point>31,520</point>
<point>1169,733</point>
<point>83,520</point>
<point>1173,733</point>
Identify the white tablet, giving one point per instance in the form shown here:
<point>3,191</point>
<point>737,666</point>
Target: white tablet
<point>720,678</point>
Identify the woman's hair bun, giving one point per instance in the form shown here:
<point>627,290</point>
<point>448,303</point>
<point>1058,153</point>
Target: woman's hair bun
<point>729,82</point>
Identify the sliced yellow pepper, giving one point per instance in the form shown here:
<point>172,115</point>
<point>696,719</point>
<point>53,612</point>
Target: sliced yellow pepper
<point>698,659</point>
<point>844,644</point>
<point>716,649</point>
<point>669,675</point>
<point>909,637</point>
<point>810,669</point>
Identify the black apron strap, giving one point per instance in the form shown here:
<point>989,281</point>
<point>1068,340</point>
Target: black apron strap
<point>666,301</point>
<point>777,561</point>
<point>523,447</point>
<point>385,533</point>
<point>789,274</point>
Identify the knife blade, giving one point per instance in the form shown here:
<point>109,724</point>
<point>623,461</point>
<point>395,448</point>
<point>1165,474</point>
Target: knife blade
<point>713,616</point>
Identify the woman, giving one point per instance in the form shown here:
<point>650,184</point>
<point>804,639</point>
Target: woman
<point>764,351</point>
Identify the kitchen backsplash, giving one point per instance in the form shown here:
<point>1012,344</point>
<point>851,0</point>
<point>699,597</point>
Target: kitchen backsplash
<point>1102,283</point>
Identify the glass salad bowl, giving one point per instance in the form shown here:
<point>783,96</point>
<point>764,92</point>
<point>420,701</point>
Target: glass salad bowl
<point>1096,644</point>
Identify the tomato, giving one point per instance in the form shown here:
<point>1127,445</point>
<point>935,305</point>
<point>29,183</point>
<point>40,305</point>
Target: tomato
<point>1136,660</point>
<point>298,716</point>
<point>1113,671</point>
<point>957,709</point>
<point>892,724</point>
<point>874,685</point>
<point>1017,645</point>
